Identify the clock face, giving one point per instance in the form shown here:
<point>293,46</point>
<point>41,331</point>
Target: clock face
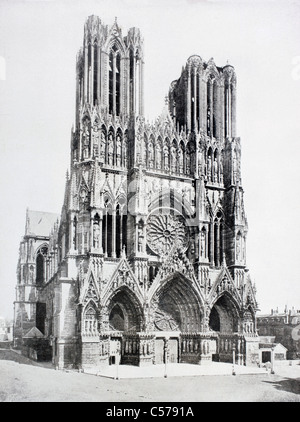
<point>165,231</point>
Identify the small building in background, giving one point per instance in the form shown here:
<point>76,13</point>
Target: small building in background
<point>267,345</point>
<point>284,327</point>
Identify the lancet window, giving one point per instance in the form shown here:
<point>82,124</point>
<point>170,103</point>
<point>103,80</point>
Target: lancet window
<point>114,81</point>
<point>216,240</point>
<point>41,258</point>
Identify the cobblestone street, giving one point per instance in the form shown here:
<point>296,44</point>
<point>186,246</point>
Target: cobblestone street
<point>29,381</point>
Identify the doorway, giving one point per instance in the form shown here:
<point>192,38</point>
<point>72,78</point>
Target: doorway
<point>265,357</point>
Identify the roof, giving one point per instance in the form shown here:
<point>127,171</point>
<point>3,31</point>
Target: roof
<point>39,223</point>
<point>271,345</point>
<point>34,333</point>
<point>267,339</point>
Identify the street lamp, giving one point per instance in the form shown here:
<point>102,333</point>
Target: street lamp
<point>233,359</point>
<point>166,357</point>
<point>272,360</point>
<point>117,362</point>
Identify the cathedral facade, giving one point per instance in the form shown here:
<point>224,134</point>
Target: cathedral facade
<point>147,261</point>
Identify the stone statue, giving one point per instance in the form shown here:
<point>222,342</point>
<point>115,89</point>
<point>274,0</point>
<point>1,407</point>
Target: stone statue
<point>102,143</point>
<point>209,168</point>
<point>85,141</point>
<point>118,150</point>
<point>150,155</point>
<point>215,170</point>
<point>110,149</point>
<point>180,160</point>
<point>96,234</point>
<point>202,244</point>
<point>166,159</point>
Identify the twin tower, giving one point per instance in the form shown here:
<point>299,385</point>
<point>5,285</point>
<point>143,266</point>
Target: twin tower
<point>147,261</point>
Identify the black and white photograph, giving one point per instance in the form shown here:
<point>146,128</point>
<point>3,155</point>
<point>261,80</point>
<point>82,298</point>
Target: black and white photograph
<point>149,159</point>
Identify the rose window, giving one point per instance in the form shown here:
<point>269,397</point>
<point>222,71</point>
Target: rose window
<point>166,231</point>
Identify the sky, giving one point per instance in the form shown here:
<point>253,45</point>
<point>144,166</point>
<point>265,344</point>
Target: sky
<point>39,40</point>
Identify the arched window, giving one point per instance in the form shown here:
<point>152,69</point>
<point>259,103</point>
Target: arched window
<point>158,154</point>
<point>239,246</point>
<point>208,96</point>
<point>209,165</point>
<point>131,79</point>
<point>215,167</point>
<point>119,144</point>
<point>107,228</point>
<point>173,156</point>
<point>96,231</point>
<point>121,226</point>
<point>216,240</point>
<point>203,251</point>
<point>90,320</point>
<point>145,150</point>
<point>114,79</point>
<point>41,265</point>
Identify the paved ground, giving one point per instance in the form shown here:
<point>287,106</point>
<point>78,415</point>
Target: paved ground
<point>173,370</point>
<point>22,380</point>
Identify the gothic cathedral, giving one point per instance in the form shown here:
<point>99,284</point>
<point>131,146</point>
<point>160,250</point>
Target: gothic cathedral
<point>147,261</point>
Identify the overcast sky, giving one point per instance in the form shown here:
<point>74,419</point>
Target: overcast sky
<point>39,41</point>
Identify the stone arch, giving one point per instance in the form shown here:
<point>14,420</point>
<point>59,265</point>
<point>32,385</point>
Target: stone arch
<point>209,164</point>
<point>224,316</point>
<point>177,306</point>
<point>249,320</point>
<point>110,146</point>
<point>125,310</point>
<point>158,153</point>
<point>86,136</point>
<point>151,152</point>
<point>107,224</point>
<point>90,317</point>
<point>145,150</point>
<point>41,264</point>
<point>119,148</point>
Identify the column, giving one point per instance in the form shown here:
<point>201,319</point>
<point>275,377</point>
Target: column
<point>113,235</point>
<point>218,244</point>
<point>105,238</point>
<point>233,109</point>
<point>211,258</point>
<point>200,101</point>
<point>188,99</point>
<point>114,83</point>
<point>142,88</point>
<point>211,104</point>
<point>221,108</point>
<point>91,233</point>
<point>127,72</point>
<point>226,109</point>
<point>195,99</point>
<point>92,76</point>
<point>133,85</point>
<point>229,110</point>
<point>137,88</point>
<point>98,75</point>
<point>85,71</point>
<point>71,235</point>
<point>100,233</point>
<point>121,232</point>
<point>204,105</point>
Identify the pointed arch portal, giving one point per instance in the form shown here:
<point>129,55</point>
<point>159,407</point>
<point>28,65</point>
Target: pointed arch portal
<point>125,312</point>
<point>178,308</point>
<point>223,316</point>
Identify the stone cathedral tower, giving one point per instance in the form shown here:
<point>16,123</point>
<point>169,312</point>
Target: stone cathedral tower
<point>148,259</point>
